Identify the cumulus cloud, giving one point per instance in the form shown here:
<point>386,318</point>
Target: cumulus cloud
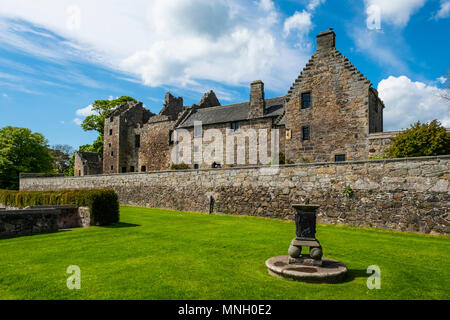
<point>444,11</point>
<point>78,121</point>
<point>313,4</point>
<point>397,12</point>
<point>84,112</point>
<point>407,102</point>
<point>300,21</point>
<point>176,43</point>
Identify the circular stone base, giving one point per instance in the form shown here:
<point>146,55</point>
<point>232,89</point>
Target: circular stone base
<point>331,271</point>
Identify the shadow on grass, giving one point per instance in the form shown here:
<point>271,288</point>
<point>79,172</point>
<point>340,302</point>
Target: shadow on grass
<point>122,225</point>
<point>13,236</point>
<point>353,274</point>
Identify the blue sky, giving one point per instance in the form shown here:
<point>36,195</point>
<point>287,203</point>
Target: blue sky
<point>56,58</point>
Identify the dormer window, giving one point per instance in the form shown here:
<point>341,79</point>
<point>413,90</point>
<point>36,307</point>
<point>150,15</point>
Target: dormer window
<point>235,126</point>
<point>306,100</point>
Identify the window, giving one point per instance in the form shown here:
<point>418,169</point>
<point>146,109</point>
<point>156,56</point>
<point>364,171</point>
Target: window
<point>306,100</point>
<point>112,153</point>
<point>124,169</point>
<point>112,168</point>
<point>235,126</point>
<point>288,134</point>
<point>306,134</point>
<point>131,169</point>
<point>109,145</point>
<point>110,132</point>
<point>340,158</point>
<point>171,137</point>
<point>196,166</point>
<point>137,141</point>
<point>79,173</point>
<point>143,169</point>
<point>111,119</point>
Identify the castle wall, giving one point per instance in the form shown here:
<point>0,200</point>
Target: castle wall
<point>402,194</point>
<point>154,152</point>
<point>240,135</point>
<point>338,117</point>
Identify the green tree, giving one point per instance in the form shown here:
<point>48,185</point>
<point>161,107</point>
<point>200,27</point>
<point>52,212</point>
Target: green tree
<point>428,139</point>
<point>61,155</point>
<point>22,151</point>
<point>96,122</point>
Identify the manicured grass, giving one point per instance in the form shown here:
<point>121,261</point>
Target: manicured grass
<point>158,254</point>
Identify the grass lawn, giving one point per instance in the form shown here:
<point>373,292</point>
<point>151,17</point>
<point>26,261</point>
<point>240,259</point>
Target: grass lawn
<point>160,254</point>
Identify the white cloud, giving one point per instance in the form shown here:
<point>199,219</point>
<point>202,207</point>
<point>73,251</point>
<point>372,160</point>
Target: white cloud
<point>444,11</point>
<point>442,80</point>
<point>266,5</point>
<point>313,4</point>
<point>4,95</point>
<point>84,112</point>
<point>397,12</point>
<point>378,47</point>
<point>408,102</point>
<point>176,43</point>
<point>300,21</point>
<point>78,121</point>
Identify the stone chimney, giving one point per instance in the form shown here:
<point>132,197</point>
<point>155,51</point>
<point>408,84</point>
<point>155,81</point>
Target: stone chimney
<point>326,40</point>
<point>257,101</point>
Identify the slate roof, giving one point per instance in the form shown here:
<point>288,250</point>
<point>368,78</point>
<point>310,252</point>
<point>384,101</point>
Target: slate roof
<point>233,113</point>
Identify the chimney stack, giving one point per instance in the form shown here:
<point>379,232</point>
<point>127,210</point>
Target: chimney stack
<point>257,101</point>
<point>326,40</point>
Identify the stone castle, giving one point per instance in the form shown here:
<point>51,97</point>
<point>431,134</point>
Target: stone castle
<point>331,113</point>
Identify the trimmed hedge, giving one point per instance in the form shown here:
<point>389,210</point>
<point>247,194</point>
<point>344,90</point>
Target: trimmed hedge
<point>103,203</point>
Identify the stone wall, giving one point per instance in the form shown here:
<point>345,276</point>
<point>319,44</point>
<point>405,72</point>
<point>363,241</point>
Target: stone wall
<point>339,116</point>
<point>28,222</point>
<point>405,194</point>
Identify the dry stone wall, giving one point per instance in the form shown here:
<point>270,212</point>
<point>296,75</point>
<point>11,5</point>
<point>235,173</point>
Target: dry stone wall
<point>409,194</point>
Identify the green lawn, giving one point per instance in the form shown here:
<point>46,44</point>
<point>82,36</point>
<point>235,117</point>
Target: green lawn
<point>159,254</point>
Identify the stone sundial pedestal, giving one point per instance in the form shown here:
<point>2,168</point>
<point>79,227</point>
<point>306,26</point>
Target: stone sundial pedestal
<point>303,266</point>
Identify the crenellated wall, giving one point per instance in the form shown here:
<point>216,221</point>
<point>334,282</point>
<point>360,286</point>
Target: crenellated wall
<point>404,194</point>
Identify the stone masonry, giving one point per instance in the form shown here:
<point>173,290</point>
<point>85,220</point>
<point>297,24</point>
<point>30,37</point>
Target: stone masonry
<point>328,115</point>
<point>404,194</point>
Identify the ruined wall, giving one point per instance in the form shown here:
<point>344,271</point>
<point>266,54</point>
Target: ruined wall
<point>338,118</point>
<point>376,107</point>
<point>87,163</point>
<point>379,142</point>
<point>28,222</point>
<point>154,152</point>
<point>406,194</point>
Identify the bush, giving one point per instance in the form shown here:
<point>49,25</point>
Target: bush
<point>181,166</point>
<point>103,203</point>
<point>428,139</point>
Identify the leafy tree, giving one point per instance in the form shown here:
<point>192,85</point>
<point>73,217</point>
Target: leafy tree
<point>428,139</point>
<point>61,155</point>
<point>96,122</point>
<point>22,151</point>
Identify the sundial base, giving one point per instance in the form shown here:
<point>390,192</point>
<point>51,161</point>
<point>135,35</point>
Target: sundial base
<point>331,271</point>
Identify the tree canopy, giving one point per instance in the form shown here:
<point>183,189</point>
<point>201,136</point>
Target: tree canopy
<point>22,151</point>
<point>428,139</point>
